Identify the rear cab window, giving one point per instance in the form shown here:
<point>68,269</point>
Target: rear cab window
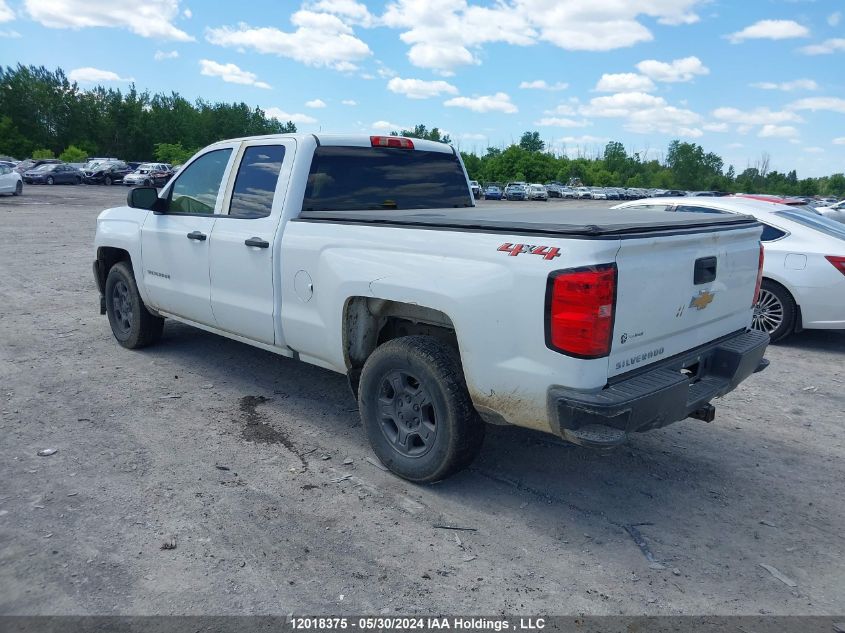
<point>382,178</point>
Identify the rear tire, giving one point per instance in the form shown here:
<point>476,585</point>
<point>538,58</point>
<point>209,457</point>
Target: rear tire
<point>131,323</point>
<point>775,311</point>
<point>416,409</point>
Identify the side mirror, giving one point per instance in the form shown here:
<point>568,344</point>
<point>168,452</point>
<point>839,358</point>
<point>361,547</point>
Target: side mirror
<point>142,198</point>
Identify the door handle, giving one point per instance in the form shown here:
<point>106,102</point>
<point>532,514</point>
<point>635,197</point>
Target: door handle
<point>257,242</point>
<point>196,235</point>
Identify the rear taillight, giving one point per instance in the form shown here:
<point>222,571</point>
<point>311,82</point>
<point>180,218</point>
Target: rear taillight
<point>398,142</point>
<point>838,262</point>
<point>759,277</point>
<point>580,307</point>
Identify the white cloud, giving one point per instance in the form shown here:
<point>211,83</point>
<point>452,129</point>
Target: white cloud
<point>814,104</point>
<point>814,150</point>
<point>349,102</point>
<point>715,127</point>
<point>230,73</point>
<point>778,131</point>
<point>284,117</point>
<point>445,34</point>
<point>10,34</point>
<point>839,140</point>
<point>419,89</point>
<point>6,13</point>
<point>499,102</point>
<point>586,139</point>
<point>351,11</point>
<point>624,82</point>
<point>561,122</point>
<point>787,86</point>
<point>645,114</point>
<point>834,18</point>
<point>473,136</point>
<point>542,84</point>
<point>320,39</point>
<point>564,109</point>
<point>162,55</point>
<point>315,103</point>
<point>95,75</point>
<point>384,71</point>
<point>770,30</point>
<point>188,14</point>
<point>150,18</point>
<point>757,116</point>
<point>678,70</point>
<point>825,48</point>
<point>386,126</point>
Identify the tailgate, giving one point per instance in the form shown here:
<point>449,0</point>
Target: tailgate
<point>676,292</point>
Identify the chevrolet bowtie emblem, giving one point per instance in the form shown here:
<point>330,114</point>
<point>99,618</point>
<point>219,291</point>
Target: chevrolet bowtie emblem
<point>702,300</point>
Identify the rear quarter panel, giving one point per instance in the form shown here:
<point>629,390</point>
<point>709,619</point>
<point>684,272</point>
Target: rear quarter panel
<point>495,301</point>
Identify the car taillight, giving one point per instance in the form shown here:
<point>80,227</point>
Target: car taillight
<point>391,141</point>
<point>759,277</point>
<point>838,262</point>
<point>580,308</point>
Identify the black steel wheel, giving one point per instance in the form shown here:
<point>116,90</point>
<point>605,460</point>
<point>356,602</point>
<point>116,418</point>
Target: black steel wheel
<point>407,417</point>
<point>774,312</point>
<point>131,323</point>
<point>416,409</point>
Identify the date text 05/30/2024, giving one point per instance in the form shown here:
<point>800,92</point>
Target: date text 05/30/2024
<point>387,623</point>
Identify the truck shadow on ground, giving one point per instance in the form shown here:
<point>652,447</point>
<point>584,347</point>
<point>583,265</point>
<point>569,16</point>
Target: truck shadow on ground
<point>684,478</point>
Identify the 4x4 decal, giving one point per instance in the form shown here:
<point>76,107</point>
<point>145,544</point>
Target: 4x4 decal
<point>547,252</point>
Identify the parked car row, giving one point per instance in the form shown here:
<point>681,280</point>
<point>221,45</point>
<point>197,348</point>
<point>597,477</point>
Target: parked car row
<point>514,191</point>
<point>105,171</point>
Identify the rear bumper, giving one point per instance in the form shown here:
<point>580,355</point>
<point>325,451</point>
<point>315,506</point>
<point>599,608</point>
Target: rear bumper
<point>660,395</point>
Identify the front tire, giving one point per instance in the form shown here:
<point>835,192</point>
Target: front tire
<point>416,409</point>
<point>18,188</point>
<point>50,180</point>
<point>131,323</point>
<point>775,311</point>
<point>107,181</point>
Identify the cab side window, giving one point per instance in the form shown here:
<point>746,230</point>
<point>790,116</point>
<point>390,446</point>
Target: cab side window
<point>255,184</point>
<point>196,189</point>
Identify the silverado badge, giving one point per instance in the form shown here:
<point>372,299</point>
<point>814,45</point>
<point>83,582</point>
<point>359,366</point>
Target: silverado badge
<point>703,299</point>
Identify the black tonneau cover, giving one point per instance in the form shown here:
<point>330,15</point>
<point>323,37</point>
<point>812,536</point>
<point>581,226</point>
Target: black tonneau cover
<point>575,221</point>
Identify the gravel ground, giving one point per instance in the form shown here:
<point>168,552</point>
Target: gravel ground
<point>256,469</point>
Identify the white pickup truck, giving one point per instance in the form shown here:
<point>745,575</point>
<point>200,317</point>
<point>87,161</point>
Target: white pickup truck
<point>366,255</point>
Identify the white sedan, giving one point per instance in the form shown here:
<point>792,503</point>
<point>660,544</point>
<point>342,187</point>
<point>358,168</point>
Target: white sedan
<point>10,181</point>
<point>804,268</point>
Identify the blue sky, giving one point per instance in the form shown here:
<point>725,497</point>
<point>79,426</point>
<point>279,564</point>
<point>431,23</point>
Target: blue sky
<point>740,78</point>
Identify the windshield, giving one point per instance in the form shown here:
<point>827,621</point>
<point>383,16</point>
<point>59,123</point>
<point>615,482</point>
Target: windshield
<point>45,167</point>
<point>813,221</point>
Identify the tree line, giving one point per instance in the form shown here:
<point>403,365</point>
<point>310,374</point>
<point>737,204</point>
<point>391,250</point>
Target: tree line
<point>685,166</point>
<point>43,114</point>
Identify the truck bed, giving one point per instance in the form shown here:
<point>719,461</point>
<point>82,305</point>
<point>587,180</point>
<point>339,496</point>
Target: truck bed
<point>575,221</point>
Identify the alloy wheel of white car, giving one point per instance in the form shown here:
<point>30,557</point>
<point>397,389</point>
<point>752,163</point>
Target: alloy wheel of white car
<point>768,313</point>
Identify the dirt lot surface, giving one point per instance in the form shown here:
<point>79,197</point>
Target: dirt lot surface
<point>256,469</point>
